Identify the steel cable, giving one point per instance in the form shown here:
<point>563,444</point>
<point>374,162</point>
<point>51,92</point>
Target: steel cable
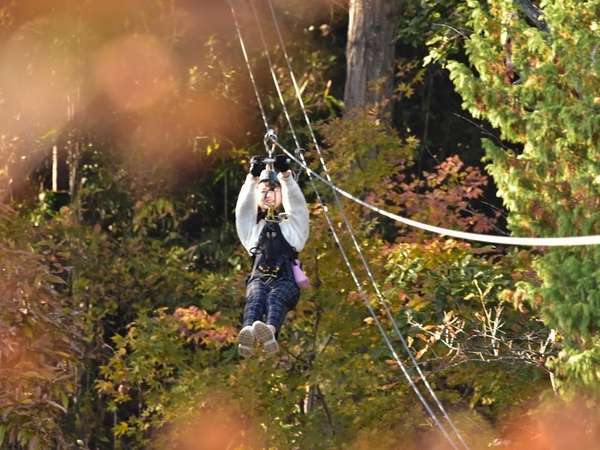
<point>335,236</point>
<point>357,246</point>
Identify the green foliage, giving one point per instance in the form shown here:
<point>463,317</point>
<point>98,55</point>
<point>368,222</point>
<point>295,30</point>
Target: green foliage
<point>460,308</point>
<point>103,197</point>
<point>150,358</point>
<point>539,88</point>
<point>335,385</point>
<point>434,22</point>
<point>316,87</point>
<point>362,151</point>
<point>326,386</point>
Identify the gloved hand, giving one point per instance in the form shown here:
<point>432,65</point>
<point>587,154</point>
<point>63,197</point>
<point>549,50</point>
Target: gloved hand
<point>282,163</point>
<point>256,166</point>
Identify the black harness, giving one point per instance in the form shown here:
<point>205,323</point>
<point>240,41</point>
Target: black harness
<point>273,255</point>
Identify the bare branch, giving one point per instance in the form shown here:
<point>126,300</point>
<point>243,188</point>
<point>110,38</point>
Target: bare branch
<point>533,13</point>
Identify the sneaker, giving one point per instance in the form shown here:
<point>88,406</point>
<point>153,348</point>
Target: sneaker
<point>246,342</point>
<point>263,333</point>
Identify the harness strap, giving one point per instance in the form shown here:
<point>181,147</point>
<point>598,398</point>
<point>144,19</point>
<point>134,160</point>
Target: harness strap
<point>253,252</point>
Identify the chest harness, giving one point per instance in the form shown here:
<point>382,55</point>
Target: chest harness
<point>273,255</point>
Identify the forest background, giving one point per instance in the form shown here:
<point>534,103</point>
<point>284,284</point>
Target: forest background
<point>125,133</point>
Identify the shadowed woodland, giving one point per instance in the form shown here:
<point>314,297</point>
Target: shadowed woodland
<point>126,131</point>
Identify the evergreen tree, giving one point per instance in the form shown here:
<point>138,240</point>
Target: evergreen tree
<point>538,83</point>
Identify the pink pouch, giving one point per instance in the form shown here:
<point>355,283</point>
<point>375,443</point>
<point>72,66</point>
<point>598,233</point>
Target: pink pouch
<point>301,279</point>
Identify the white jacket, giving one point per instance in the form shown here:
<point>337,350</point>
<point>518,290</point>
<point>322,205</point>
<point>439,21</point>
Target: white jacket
<point>294,229</point>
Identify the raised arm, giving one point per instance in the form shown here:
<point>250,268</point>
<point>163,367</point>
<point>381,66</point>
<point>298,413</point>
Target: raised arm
<point>296,228</point>
<point>246,210</point>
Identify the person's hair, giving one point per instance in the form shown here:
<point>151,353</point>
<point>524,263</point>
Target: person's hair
<point>274,185</point>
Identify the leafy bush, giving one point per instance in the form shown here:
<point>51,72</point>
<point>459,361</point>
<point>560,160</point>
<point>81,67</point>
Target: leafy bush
<point>41,335</point>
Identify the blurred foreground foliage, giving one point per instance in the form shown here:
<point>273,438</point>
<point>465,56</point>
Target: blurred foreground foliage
<point>123,289</point>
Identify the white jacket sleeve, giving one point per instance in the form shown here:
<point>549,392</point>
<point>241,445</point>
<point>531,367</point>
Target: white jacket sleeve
<point>246,210</point>
<point>295,229</point>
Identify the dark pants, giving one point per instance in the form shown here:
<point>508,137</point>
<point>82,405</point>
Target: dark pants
<point>269,300</point>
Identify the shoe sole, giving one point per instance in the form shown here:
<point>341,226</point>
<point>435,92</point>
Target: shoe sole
<point>264,336</point>
<point>246,343</point>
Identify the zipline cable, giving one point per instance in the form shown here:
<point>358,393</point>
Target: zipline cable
<point>254,85</point>
<point>489,238</point>
<point>357,246</point>
<point>274,77</point>
<point>361,291</point>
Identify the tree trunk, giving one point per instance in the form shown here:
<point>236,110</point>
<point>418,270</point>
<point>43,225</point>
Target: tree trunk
<point>370,53</point>
<point>55,168</point>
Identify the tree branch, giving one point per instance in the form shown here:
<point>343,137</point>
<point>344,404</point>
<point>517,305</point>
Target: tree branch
<point>533,13</point>
<point>321,397</point>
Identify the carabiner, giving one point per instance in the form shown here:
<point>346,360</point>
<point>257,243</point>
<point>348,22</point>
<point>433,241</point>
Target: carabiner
<point>270,136</point>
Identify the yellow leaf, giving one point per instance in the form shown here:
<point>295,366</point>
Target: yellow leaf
<point>421,353</point>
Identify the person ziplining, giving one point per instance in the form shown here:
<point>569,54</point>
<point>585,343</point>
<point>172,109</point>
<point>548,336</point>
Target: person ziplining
<point>273,239</point>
